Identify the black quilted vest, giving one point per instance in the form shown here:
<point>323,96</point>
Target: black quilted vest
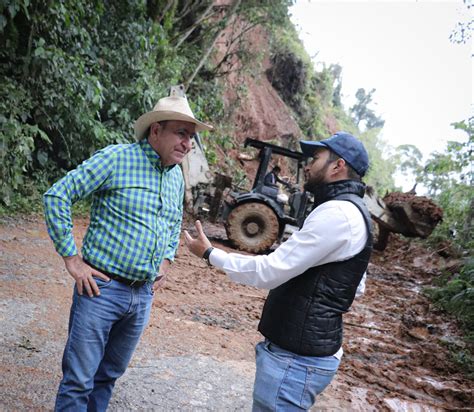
<point>304,315</point>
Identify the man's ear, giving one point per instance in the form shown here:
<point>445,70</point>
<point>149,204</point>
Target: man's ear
<point>339,165</point>
<point>155,130</point>
<point>155,127</point>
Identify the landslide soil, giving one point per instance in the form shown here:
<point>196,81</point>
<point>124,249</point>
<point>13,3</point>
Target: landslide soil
<point>395,344</point>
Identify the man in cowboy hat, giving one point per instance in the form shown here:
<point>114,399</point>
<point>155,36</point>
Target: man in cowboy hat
<point>137,197</point>
<point>313,278</point>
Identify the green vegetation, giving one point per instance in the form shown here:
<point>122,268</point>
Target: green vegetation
<point>75,75</point>
<point>362,113</point>
<point>449,178</point>
<point>454,293</point>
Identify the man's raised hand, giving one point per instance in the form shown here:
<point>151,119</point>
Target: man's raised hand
<point>197,245</point>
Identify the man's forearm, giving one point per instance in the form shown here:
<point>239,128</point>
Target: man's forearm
<point>59,224</point>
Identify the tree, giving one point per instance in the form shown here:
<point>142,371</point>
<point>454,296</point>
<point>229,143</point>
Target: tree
<point>361,113</point>
<point>409,161</point>
<point>381,170</point>
<point>230,16</point>
<point>449,179</point>
<point>462,32</point>
<point>336,71</point>
<point>73,78</point>
<point>448,176</point>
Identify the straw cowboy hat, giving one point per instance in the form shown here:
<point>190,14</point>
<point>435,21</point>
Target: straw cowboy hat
<point>168,108</point>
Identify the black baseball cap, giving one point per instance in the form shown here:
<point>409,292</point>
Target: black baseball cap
<point>344,145</point>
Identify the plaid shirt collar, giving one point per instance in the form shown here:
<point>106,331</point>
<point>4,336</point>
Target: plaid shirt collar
<point>152,156</point>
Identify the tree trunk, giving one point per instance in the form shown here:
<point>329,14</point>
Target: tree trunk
<point>155,13</point>
<point>205,14</point>
<point>206,55</point>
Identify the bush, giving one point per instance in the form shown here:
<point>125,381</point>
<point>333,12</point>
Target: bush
<point>455,295</point>
<point>75,76</point>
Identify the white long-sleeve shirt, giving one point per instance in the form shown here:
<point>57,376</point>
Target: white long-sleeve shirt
<point>332,232</point>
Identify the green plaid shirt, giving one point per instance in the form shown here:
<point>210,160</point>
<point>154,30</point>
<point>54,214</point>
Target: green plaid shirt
<point>136,212</point>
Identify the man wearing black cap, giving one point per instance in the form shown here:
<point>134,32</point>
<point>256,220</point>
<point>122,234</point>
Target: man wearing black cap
<point>313,278</point>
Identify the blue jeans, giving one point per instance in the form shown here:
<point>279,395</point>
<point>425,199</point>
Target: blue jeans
<point>103,333</point>
<point>285,381</point>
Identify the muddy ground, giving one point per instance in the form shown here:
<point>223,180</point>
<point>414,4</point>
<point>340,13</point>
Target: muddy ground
<point>197,353</point>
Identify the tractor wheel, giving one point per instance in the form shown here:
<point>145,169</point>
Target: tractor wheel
<point>252,227</point>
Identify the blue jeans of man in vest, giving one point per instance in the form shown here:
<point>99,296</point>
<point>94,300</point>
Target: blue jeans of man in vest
<point>103,333</point>
<point>285,381</point>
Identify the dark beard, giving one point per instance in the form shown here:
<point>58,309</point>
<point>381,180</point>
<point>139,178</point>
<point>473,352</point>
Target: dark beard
<point>317,181</point>
<point>312,186</point>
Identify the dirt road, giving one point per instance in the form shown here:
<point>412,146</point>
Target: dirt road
<point>197,353</point>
